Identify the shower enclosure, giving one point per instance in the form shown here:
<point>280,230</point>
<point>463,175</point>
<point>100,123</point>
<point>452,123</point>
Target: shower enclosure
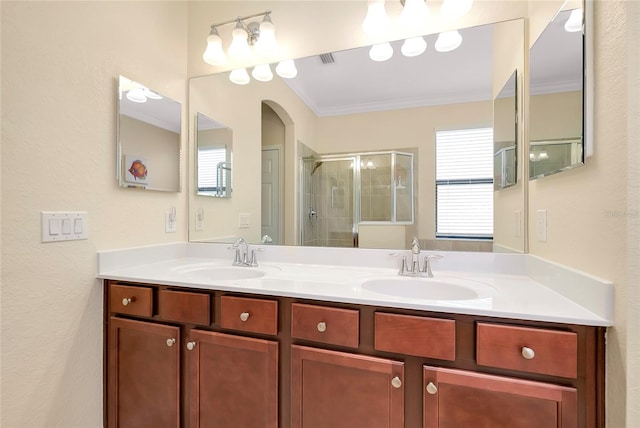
<point>341,193</point>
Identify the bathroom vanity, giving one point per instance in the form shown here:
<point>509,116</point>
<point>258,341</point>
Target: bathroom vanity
<point>268,352</point>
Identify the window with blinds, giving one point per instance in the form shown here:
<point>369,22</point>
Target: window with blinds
<point>464,183</point>
<point>208,170</point>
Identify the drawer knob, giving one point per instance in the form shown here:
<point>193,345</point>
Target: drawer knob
<point>322,326</point>
<point>244,316</point>
<point>171,342</point>
<point>126,301</point>
<point>396,382</point>
<point>191,346</point>
<point>432,388</point>
<point>528,353</point>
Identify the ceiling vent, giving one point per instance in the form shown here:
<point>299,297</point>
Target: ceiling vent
<point>327,58</point>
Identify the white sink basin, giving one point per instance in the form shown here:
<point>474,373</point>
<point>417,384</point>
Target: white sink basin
<point>444,288</point>
<point>217,272</point>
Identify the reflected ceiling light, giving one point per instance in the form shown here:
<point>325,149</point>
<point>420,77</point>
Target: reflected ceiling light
<point>381,52</point>
<point>448,41</point>
<point>150,94</point>
<point>455,8</point>
<point>376,20</point>
<point>574,23</point>
<point>246,34</point>
<point>414,14</point>
<point>214,54</point>
<point>262,73</point>
<point>137,95</point>
<point>413,46</point>
<point>287,69</point>
<point>239,76</point>
<point>537,157</point>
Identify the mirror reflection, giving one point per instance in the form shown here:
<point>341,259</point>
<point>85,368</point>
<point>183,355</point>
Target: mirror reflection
<point>505,135</point>
<point>214,142</point>
<point>148,146</point>
<point>556,97</point>
<point>352,105</point>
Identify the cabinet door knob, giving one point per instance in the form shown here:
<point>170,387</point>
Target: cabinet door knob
<point>244,316</point>
<point>171,342</point>
<point>322,326</point>
<point>528,353</point>
<point>126,301</point>
<point>432,388</point>
<point>191,345</point>
<point>396,382</point>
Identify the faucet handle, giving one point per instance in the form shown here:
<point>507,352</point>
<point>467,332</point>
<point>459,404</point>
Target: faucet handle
<point>403,265</point>
<point>427,263</point>
<point>254,259</point>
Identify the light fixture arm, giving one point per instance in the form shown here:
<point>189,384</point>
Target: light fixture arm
<point>241,19</point>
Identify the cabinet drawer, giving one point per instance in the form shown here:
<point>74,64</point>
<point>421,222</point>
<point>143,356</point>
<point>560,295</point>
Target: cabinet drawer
<point>246,314</point>
<point>531,350</point>
<point>131,300</point>
<point>412,335</point>
<point>184,306</point>
<point>325,324</point>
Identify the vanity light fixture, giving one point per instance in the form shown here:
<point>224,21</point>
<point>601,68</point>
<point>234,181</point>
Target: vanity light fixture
<point>248,33</point>
<point>381,52</point>
<point>574,23</point>
<point>140,94</point>
<point>376,21</point>
<point>448,41</point>
<point>413,46</point>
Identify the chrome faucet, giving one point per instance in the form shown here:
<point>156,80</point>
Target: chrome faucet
<point>242,254</point>
<point>414,268</point>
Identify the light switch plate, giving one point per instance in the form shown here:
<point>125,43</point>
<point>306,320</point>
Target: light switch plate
<point>244,220</point>
<point>59,226</point>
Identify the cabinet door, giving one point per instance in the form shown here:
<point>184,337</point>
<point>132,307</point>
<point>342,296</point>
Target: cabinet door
<point>143,375</point>
<point>343,390</point>
<point>233,381</point>
<point>461,399</point>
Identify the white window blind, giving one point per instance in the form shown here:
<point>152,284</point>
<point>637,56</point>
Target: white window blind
<point>208,160</point>
<point>464,183</point>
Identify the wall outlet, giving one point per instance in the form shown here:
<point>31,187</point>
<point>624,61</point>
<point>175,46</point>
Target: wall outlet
<point>541,225</point>
<point>170,222</point>
<point>244,220</point>
<point>200,219</point>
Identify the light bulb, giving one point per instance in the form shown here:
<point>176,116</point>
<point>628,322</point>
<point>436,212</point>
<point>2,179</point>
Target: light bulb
<point>214,54</point>
<point>413,46</point>
<point>287,69</point>
<point>239,76</point>
<point>267,44</point>
<point>448,41</point>
<point>376,20</point>
<point>239,48</point>
<point>455,8</point>
<point>137,95</point>
<point>381,52</point>
<point>574,23</point>
<point>414,14</point>
<point>262,73</point>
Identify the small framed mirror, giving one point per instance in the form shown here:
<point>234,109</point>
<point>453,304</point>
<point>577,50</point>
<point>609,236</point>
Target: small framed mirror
<point>214,142</point>
<point>149,133</point>
<point>505,135</point>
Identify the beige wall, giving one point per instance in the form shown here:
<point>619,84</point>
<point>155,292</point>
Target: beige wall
<point>60,68</point>
<point>60,63</point>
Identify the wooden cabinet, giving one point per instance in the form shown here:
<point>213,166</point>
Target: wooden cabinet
<point>233,381</point>
<point>194,358</point>
<point>463,399</point>
<point>143,375</point>
<point>344,390</point>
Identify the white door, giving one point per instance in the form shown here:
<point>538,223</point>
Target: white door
<point>271,194</point>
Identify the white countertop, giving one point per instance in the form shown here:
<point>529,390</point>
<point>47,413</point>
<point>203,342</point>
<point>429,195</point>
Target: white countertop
<point>508,290</point>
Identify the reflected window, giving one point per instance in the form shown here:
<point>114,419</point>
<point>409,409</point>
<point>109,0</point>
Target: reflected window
<point>464,184</point>
<point>212,170</point>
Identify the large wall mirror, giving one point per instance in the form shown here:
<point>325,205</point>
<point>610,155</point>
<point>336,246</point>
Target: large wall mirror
<point>149,135</point>
<point>337,106</point>
<point>505,135</point>
<point>556,117</point>
<point>214,164</point>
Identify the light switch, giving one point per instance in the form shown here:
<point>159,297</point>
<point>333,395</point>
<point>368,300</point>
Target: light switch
<point>244,220</point>
<point>63,225</point>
